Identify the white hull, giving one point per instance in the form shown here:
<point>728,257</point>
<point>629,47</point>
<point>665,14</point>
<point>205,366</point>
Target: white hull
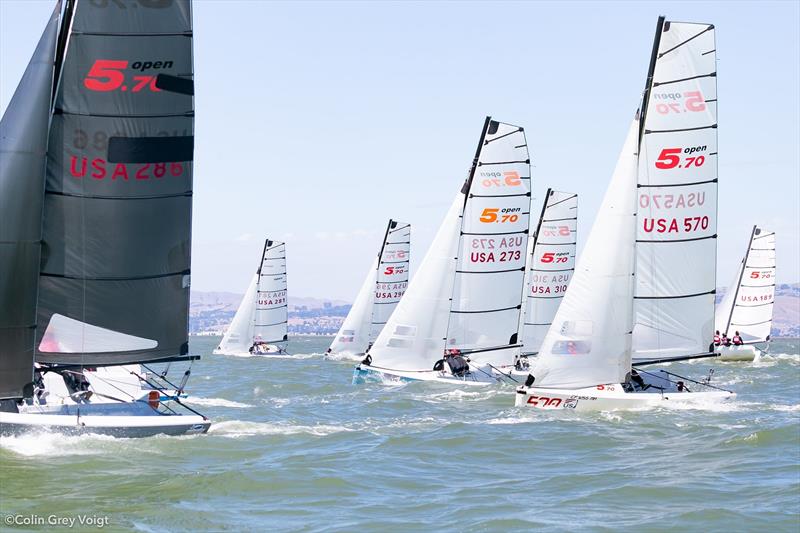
<point>746,352</point>
<point>474,378</point>
<point>610,397</point>
<point>143,424</point>
<point>272,351</point>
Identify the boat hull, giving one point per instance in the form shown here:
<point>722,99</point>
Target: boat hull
<point>121,426</point>
<point>609,397</point>
<point>371,374</point>
<point>746,353</point>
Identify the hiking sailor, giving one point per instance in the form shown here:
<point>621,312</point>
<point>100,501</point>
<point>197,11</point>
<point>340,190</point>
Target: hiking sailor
<point>737,339</point>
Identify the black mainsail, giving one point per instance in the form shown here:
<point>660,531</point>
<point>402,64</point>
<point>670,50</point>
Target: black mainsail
<point>112,283</point>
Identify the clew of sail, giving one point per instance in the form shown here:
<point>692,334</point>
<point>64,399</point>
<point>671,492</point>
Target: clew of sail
<point>589,340</point>
<point>676,237</point>
<point>551,265</point>
<point>271,316</point>
<point>748,303</point>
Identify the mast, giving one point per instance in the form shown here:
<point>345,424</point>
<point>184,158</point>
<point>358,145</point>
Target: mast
<point>739,282</point>
<point>532,246</point>
<point>651,69</point>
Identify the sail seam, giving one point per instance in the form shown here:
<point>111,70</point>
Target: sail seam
<point>187,194</point>
<point>709,75</point>
<point>486,311</point>
<point>644,185</point>
<point>674,297</point>
<point>709,28</point>
<point>712,126</point>
<point>123,278</point>
<point>677,240</point>
<point>520,269</point>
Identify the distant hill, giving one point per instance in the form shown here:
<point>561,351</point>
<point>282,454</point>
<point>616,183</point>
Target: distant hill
<point>213,311</point>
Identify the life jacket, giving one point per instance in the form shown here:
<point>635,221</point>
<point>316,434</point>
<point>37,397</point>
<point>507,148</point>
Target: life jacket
<point>737,340</point>
<point>458,365</point>
<point>717,340</point>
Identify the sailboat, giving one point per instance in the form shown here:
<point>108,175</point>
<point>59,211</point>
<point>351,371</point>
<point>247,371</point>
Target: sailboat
<point>260,325</point>
<point>746,308</point>
<point>460,315</point>
<point>551,262</point>
<point>645,282</point>
<point>384,285</point>
<point>96,194</point>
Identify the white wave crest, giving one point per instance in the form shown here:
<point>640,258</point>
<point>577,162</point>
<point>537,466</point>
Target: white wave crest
<point>243,428</point>
<point>216,402</point>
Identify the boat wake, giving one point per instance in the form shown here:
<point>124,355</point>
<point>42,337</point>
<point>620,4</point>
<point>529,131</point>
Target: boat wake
<point>243,428</point>
<point>216,402</point>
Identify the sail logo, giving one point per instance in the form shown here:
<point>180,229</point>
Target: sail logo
<point>98,169</point>
<point>672,201</point>
<point>109,75</point>
<point>664,225</point>
<point>491,244</point>
<point>542,290</point>
<point>672,103</point>
<point>761,274</point>
<point>556,231</point>
<point>509,178</point>
<point>555,257</point>
<point>671,158</point>
<point>490,257</point>
<point>755,298</point>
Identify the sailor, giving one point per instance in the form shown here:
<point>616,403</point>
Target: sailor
<point>458,365</point>
<point>637,379</point>
<point>717,339</point>
<point>725,340</point>
<point>737,339</point>
<point>682,387</point>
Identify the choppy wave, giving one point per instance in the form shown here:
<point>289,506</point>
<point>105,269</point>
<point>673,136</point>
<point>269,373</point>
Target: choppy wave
<point>216,402</point>
<point>243,428</point>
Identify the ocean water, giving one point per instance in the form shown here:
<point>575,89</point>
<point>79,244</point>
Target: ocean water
<point>296,447</point>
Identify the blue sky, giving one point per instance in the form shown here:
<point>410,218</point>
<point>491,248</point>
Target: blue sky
<point>317,121</point>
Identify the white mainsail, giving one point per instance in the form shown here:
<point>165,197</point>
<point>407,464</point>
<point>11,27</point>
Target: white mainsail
<point>384,285</point>
<point>676,240</point>
<point>589,340</point>
<point>748,303</point>
<point>644,285</point>
<point>354,335</point>
<point>467,294</point>
<point>551,264</point>
<point>271,317</point>
<point>263,312</point>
